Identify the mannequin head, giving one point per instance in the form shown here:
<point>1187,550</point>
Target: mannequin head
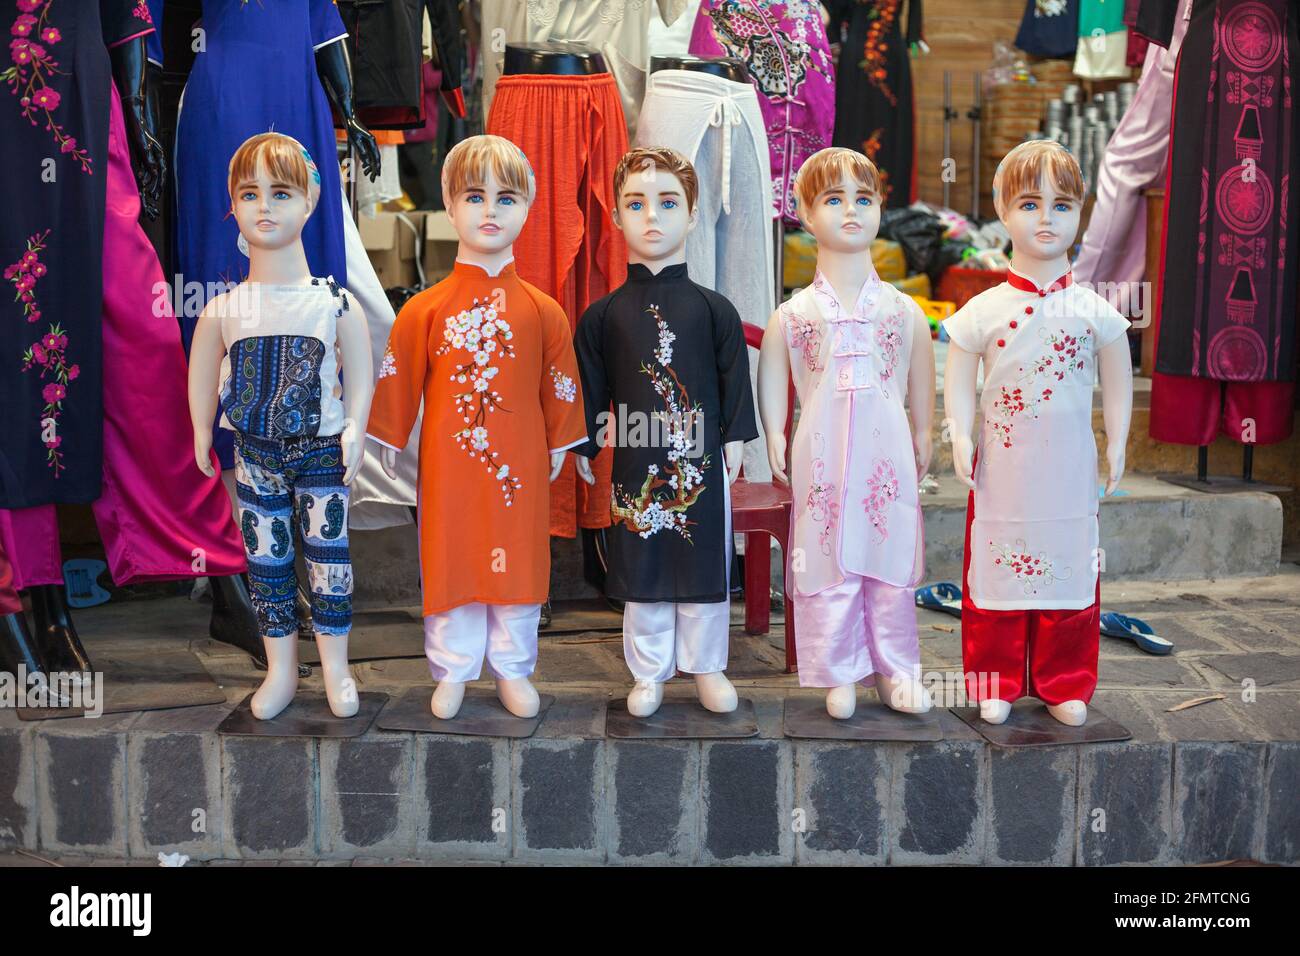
<point>837,196</point>
<point>487,187</point>
<point>655,189</point>
<point>274,186</point>
<point>1038,192</point>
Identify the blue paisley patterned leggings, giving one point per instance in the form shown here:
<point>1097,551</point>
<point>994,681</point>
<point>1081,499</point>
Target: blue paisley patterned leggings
<point>271,477</point>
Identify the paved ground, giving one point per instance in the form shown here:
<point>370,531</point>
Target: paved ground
<point>1239,638</point>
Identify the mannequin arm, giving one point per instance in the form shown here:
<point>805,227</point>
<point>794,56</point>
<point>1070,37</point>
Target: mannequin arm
<point>920,392</point>
<point>335,73</point>
<point>733,452</point>
<point>773,394</point>
<point>959,408</point>
<point>1115,369</point>
<point>358,385</point>
<point>129,74</point>
<point>206,353</point>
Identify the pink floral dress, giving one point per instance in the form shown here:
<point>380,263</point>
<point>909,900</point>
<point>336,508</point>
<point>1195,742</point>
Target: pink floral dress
<point>853,473</point>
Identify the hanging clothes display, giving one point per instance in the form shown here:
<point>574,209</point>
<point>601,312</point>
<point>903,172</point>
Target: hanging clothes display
<point>1102,52</point>
<point>385,46</point>
<point>875,112</point>
<point>258,73</point>
<point>484,487</point>
<point>669,355</point>
<point>1232,226</point>
<point>1049,28</point>
<point>571,129</point>
<point>784,46</point>
<point>1113,248</point>
<point>97,354</point>
<point>619,29</point>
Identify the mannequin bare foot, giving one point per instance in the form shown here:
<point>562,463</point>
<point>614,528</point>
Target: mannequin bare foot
<point>281,683</point>
<point>1072,713</point>
<point>518,696</point>
<point>447,698</point>
<point>645,698</point>
<point>903,694</point>
<point>716,692</point>
<point>994,711</point>
<point>340,687</point>
<point>842,701</point>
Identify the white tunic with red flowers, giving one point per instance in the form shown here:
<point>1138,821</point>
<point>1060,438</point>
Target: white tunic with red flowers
<point>853,474</point>
<point>1034,540</point>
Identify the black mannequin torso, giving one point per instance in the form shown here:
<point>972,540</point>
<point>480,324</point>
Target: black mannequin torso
<point>555,58</point>
<point>727,67</point>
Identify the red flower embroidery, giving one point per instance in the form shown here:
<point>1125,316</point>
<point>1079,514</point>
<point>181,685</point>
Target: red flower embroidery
<point>48,353</point>
<point>27,76</point>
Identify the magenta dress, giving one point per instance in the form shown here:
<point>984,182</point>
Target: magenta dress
<point>784,46</point>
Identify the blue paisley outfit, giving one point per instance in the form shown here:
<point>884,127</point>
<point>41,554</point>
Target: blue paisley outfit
<point>281,396</point>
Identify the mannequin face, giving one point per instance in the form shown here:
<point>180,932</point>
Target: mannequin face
<point>1042,223</point>
<point>844,218</point>
<point>270,214</point>
<point>653,216</point>
<point>487,218</point>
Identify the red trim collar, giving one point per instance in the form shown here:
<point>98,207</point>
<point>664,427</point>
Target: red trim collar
<point>1017,281</point>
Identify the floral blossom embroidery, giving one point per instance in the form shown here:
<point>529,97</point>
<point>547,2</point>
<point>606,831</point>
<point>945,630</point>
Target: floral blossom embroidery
<point>32,63</point>
<point>882,490</point>
<point>1007,406</point>
<point>1068,353</point>
<point>484,334</point>
<point>806,336</point>
<point>822,506</point>
<point>48,353</point>
<point>142,11</point>
<point>682,482</point>
<point>1029,570</point>
<point>889,342</point>
<point>389,365</point>
<point>565,389</point>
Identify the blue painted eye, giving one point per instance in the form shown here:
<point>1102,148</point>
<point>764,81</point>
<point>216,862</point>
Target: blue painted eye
<point>635,205</point>
<point>833,201</point>
<point>864,200</point>
<point>670,203</point>
<point>507,200</point>
<point>248,196</point>
<point>476,198</point>
<point>1029,205</point>
<point>1062,207</point>
<point>281,195</point>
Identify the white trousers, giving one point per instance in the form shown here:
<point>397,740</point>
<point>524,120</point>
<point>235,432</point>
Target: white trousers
<point>457,641</point>
<point>660,639</point>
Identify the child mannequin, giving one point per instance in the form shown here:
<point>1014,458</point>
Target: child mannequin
<point>1031,589</point>
<point>664,349</point>
<point>492,359</point>
<point>278,340</point>
<point>856,347</point>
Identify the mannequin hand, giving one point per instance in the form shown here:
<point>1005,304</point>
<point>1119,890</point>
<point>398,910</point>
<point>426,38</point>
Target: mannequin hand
<point>146,154</point>
<point>1115,454</point>
<point>776,456</point>
<point>367,149</point>
<point>388,459</point>
<point>557,463</point>
<point>584,469</point>
<point>354,451</point>
<point>923,448</point>
<point>203,453</point>
<point>734,453</point>
<point>963,450</point>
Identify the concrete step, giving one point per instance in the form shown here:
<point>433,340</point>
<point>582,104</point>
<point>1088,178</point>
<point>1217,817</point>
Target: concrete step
<point>1154,531</point>
<point>132,786</point>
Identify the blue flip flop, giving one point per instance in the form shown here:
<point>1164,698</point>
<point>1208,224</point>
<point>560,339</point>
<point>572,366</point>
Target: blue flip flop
<point>1136,630</point>
<point>81,579</point>
<point>944,597</point>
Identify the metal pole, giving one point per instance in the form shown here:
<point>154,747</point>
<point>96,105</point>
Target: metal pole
<point>975,114</point>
